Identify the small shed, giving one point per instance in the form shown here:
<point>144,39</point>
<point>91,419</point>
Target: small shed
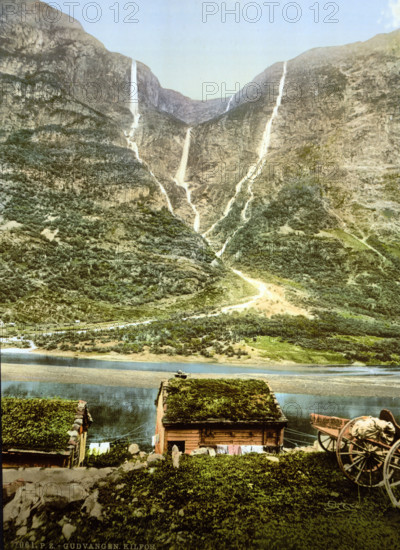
<point>44,432</point>
<point>204,412</point>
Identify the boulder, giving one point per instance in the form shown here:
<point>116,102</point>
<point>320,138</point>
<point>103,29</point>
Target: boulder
<point>176,454</point>
<point>22,531</point>
<point>68,530</point>
<point>140,466</point>
<point>272,458</point>
<point>199,451</point>
<point>9,489</point>
<point>155,457</point>
<point>36,522</point>
<point>134,449</point>
<point>92,506</point>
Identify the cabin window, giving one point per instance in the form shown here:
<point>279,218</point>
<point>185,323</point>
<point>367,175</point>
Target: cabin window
<point>179,444</point>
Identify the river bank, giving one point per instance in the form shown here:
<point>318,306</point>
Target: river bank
<point>337,385</point>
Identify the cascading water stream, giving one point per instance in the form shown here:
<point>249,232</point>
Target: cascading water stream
<point>265,144</point>
<point>180,179</point>
<point>229,103</point>
<point>134,109</point>
<point>130,136</point>
<point>254,170</point>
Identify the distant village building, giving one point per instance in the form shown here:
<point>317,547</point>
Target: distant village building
<point>44,432</point>
<point>232,416</point>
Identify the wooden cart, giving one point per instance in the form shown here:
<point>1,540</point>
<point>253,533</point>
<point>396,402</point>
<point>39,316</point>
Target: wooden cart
<point>365,461</point>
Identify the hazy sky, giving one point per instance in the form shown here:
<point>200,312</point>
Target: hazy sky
<point>189,42</point>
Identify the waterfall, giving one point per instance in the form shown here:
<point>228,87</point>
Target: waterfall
<point>229,103</point>
<point>130,136</point>
<point>265,144</point>
<point>134,109</point>
<point>164,192</point>
<point>180,179</point>
<point>254,170</point>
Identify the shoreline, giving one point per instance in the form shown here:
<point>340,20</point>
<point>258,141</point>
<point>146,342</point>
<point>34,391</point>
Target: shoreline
<point>255,361</point>
<point>335,386</point>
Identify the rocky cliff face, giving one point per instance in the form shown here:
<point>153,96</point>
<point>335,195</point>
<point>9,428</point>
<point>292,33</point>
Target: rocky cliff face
<point>183,108</point>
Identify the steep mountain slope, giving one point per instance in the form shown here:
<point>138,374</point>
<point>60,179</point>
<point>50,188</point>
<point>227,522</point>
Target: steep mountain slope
<point>85,228</point>
<point>105,175</point>
<point>322,207</point>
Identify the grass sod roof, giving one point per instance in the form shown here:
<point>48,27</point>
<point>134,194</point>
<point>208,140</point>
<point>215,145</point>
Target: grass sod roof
<point>197,400</point>
<point>37,424</point>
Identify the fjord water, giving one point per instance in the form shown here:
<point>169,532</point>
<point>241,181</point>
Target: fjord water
<point>118,411</point>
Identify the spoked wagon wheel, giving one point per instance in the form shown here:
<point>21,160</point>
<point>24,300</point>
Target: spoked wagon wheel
<point>361,460</point>
<point>391,474</point>
<point>327,442</point>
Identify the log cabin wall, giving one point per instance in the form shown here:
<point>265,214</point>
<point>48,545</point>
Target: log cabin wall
<point>211,435</point>
<point>231,436</point>
<point>191,437</point>
<point>160,430</point>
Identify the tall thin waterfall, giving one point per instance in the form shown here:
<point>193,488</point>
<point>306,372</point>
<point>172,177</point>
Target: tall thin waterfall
<point>180,179</point>
<point>134,109</point>
<point>130,136</point>
<point>256,169</point>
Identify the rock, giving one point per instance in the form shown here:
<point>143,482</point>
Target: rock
<point>175,456</point>
<point>140,466</point>
<point>36,522</point>
<point>9,489</point>
<point>199,451</point>
<point>22,531</point>
<point>68,530</point>
<point>18,510</point>
<point>92,506</point>
<point>128,466</point>
<point>119,486</point>
<point>272,458</point>
<point>134,449</point>
<point>142,454</point>
<point>155,457</point>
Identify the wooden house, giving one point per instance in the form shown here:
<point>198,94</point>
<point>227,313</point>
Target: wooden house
<point>200,412</point>
<point>44,432</point>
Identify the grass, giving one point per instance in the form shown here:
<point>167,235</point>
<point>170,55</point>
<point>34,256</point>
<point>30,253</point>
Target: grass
<point>234,400</point>
<point>347,239</point>
<point>276,349</point>
<point>303,502</point>
<point>37,423</point>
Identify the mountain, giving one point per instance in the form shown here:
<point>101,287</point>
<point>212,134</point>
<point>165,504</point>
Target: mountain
<point>85,228</point>
<point>121,199</point>
<point>320,211</point>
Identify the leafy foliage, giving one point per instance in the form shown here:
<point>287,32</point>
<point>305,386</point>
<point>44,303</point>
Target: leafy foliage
<point>356,339</point>
<point>301,503</point>
<point>117,454</point>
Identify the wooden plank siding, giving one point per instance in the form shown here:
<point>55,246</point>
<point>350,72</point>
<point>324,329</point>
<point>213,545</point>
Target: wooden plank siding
<point>212,433</point>
<point>191,437</point>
